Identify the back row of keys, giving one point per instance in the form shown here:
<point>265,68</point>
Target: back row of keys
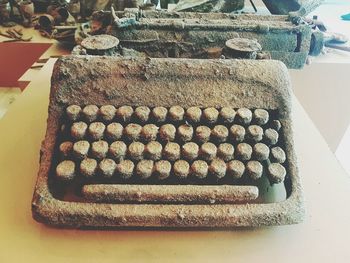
<point>143,114</point>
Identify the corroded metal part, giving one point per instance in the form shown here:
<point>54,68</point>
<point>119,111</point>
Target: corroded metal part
<point>131,83</point>
<point>100,45</point>
<point>242,48</point>
<point>203,35</point>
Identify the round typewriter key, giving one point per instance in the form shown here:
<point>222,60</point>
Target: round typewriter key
<point>132,131</point>
<point>260,116</point>
<point>159,114</point>
<point>96,130</point>
<point>162,169</point>
<point>219,133</point>
<point>244,116</point>
<point>190,151</point>
<point>144,168</point>
<point>181,169</point>
<point>276,124</point>
<point>176,113</point>
<point>254,170</point>
<point>208,151</point>
<point>136,150</point>
<point>185,132</point>
<point>235,169</point>
<point>167,132</point>
<point>73,112</point>
<point>88,167</point>
<point>271,136</point>
<point>99,149</point>
<point>244,151</point>
<point>203,133</point>
<point>124,113</point>
<point>125,169</point>
<point>171,151</point>
<point>217,168</point>
<point>78,130</point>
<point>278,155</point>
<point>261,151</point>
<point>65,171</point>
<point>107,112</point>
<point>210,115</point>
<point>90,113</point>
<point>142,113</point>
<point>193,114</point>
<point>65,148</point>
<point>107,167</point>
<point>199,169</point>
<point>226,151</point>
<point>149,132</point>
<point>276,173</point>
<point>227,114</point>
<point>255,133</point>
<point>237,133</point>
<point>114,131</point>
<point>153,150</point>
<point>117,150</point>
<point>81,149</point>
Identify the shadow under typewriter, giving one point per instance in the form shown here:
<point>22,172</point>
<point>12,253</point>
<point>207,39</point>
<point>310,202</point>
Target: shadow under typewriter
<point>168,143</point>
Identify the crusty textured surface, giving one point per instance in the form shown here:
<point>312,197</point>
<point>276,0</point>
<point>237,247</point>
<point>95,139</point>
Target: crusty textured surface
<point>164,82</point>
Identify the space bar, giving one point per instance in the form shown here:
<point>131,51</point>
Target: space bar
<point>198,194</point>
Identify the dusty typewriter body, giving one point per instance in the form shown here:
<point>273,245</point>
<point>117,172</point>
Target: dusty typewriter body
<point>196,35</point>
<point>157,142</point>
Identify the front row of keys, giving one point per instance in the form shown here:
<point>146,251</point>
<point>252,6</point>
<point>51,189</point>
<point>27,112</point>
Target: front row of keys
<point>163,169</point>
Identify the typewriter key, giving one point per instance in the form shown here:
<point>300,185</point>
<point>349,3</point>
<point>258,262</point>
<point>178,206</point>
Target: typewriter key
<point>278,155</point>
<point>235,169</point>
<point>167,132</point>
<point>107,112</point>
<point>144,168</point>
<point>217,168</point>
<point>65,148</point>
<point>159,114</point>
<point>176,113</point>
<point>261,151</point>
<point>162,169</point>
<point>124,113</point>
<point>185,133</point>
<point>276,173</point>
<point>81,149</point>
<point>142,113</point>
<point>244,116</point>
<point>210,115</point>
<point>107,167</point>
<point>193,114</point>
<point>208,151</point>
<point>117,150</point>
<point>88,167</point>
<point>254,170</point>
<point>73,112</point>
<point>149,132</point>
<point>227,114</point>
<point>199,169</point>
<point>219,133</point>
<point>90,113</point>
<point>136,150</point>
<point>99,149</point>
<point>190,151</point>
<point>153,150</point>
<point>132,131</point>
<point>237,133</point>
<point>244,151</point>
<point>226,151</point>
<point>171,151</point>
<point>125,169</point>
<point>260,116</point>
<point>65,171</point>
<point>203,133</point>
<point>78,130</point>
<point>271,136</point>
<point>96,130</point>
<point>181,169</point>
<point>114,131</point>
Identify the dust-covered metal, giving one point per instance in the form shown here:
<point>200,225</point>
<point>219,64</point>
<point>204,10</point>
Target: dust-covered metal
<point>154,142</point>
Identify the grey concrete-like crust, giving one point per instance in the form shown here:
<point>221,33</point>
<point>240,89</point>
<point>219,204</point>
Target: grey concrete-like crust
<point>156,82</point>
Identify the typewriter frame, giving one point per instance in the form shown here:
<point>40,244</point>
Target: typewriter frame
<point>118,81</point>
